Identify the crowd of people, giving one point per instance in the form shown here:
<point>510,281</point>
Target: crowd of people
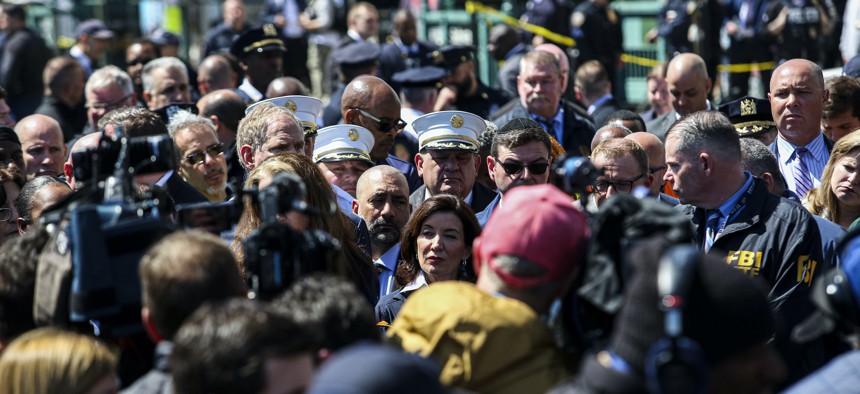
<point>428,232</point>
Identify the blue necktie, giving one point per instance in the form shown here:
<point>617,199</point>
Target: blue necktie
<point>711,227</point>
<point>802,179</point>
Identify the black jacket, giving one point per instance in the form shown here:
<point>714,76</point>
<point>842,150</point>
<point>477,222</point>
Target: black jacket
<point>601,113</point>
<point>578,130</point>
<point>71,120</point>
<point>481,197</point>
<point>778,241</point>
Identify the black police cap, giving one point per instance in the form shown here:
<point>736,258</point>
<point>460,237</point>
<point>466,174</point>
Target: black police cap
<point>357,54</point>
<point>451,56</point>
<point>259,40</point>
<point>751,116</point>
<point>421,77</point>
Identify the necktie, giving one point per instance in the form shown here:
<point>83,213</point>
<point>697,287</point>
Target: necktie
<point>802,179</point>
<point>712,225</point>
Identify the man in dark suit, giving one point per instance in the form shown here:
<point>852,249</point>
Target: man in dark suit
<point>358,58</point>
<point>689,86</point>
<point>520,155</point>
<point>506,46</point>
<point>463,90</point>
<point>370,103</point>
<point>403,51</point>
<point>448,158</point>
<point>540,89</point>
<point>594,90</point>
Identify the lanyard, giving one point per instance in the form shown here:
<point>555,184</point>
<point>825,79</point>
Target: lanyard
<point>738,206</point>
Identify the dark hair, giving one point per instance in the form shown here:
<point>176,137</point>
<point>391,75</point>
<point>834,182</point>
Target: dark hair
<point>2,93</point>
<point>18,259</point>
<point>844,96</point>
<point>517,138</point>
<point>135,121</point>
<point>408,267</point>
<point>191,266</point>
<point>228,108</point>
<point>58,74</point>
<point>334,306</point>
<point>626,114</point>
<point>15,11</point>
<point>27,198</point>
<point>222,348</point>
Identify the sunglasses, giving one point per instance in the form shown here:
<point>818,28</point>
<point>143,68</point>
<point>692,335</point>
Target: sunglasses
<point>621,186</point>
<point>199,157</point>
<point>387,125</point>
<point>516,168</point>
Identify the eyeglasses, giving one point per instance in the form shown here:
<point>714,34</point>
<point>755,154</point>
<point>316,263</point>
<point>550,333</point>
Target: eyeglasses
<point>387,125</point>
<point>516,168</point>
<point>110,105</point>
<point>653,170</point>
<point>5,214</point>
<point>200,157</point>
<point>621,186</point>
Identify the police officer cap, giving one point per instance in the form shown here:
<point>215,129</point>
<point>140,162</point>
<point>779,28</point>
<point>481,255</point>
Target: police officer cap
<point>451,56</point>
<point>422,77</point>
<point>342,143</point>
<point>751,116</point>
<point>357,54</point>
<point>305,108</point>
<point>163,37</point>
<point>7,134</point>
<point>449,130</point>
<point>259,40</point>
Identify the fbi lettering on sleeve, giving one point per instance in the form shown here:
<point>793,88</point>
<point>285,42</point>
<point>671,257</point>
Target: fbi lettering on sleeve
<point>805,269</point>
<point>745,260</point>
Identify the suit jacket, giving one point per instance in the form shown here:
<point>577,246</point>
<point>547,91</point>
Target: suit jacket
<point>484,215</point>
<point>661,125</point>
<point>331,113</point>
<point>509,71</point>
<point>181,192</point>
<point>578,130</point>
<point>481,197</point>
<point>602,112</point>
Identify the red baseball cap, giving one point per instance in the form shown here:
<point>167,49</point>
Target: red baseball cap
<point>540,224</point>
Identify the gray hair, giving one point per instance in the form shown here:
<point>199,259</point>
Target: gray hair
<point>186,120</point>
<point>757,158</point>
<point>167,62</point>
<point>706,131</point>
<point>252,128</point>
<point>107,76</point>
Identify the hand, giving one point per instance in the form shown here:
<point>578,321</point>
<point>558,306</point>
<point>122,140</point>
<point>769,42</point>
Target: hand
<point>280,21</point>
<point>651,36</point>
<point>731,28</point>
<point>446,98</point>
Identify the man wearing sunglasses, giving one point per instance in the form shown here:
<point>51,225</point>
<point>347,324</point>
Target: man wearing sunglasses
<point>625,167</point>
<point>201,156</point>
<point>448,158</point>
<point>371,103</point>
<point>520,155</point>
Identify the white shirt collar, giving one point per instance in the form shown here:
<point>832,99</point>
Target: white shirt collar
<point>344,199</point>
<point>389,258</point>
<point>467,200</point>
<point>252,92</point>
<point>417,283</point>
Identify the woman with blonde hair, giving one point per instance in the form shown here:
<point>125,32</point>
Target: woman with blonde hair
<point>838,197</point>
<point>49,360</point>
<point>321,197</point>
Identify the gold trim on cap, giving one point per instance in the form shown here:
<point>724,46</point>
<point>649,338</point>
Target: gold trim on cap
<point>263,43</point>
<point>748,107</point>
<point>442,139</point>
<point>766,123</point>
<point>309,127</point>
<point>343,154</point>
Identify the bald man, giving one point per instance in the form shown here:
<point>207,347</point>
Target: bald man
<point>382,200</point>
<point>225,108</point>
<point>87,141</point>
<point>609,132</point>
<point>42,143</point>
<point>371,103</point>
<point>689,86</point>
<point>215,73</point>
<point>286,86</point>
<point>656,164</point>
<point>797,97</point>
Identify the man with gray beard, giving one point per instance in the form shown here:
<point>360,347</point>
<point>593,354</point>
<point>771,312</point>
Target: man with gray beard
<point>382,200</point>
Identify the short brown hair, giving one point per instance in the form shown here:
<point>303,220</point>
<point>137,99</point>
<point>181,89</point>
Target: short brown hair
<point>135,121</point>
<point>181,272</point>
<point>58,74</point>
<point>844,97</point>
<point>615,148</point>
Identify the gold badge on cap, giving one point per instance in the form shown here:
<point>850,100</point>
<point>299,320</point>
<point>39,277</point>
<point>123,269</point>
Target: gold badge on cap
<point>457,121</point>
<point>353,134</point>
<point>748,107</point>
<point>438,57</point>
<point>290,105</point>
<point>269,30</point>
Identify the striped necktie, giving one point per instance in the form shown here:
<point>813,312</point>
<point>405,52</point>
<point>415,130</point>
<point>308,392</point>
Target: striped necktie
<point>802,179</point>
<point>712,225</point>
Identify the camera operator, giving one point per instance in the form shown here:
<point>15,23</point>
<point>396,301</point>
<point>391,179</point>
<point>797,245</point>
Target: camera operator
<point>321,214</point>
<point>141,122</point>
<point>178,274</point>
<point>36,196</point>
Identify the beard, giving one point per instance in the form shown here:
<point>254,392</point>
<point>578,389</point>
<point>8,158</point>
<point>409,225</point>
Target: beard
<point>384,232</point>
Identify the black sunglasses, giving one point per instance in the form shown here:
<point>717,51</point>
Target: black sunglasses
<point>516,168</point>
<point>199,157</point>
<point>386,125</point>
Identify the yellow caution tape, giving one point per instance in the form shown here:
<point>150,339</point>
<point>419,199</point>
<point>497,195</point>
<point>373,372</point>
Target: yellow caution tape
<point>473,7</point>
<point>638,60</point>
<point>746,67</point>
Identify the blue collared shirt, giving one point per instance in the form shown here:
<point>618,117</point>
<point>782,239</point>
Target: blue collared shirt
<point>815,160</point>
<point>344,199</point>
<point>726,207</point>
<point>593,107</point>
<point>558,127</point>
<point>387,263</point>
